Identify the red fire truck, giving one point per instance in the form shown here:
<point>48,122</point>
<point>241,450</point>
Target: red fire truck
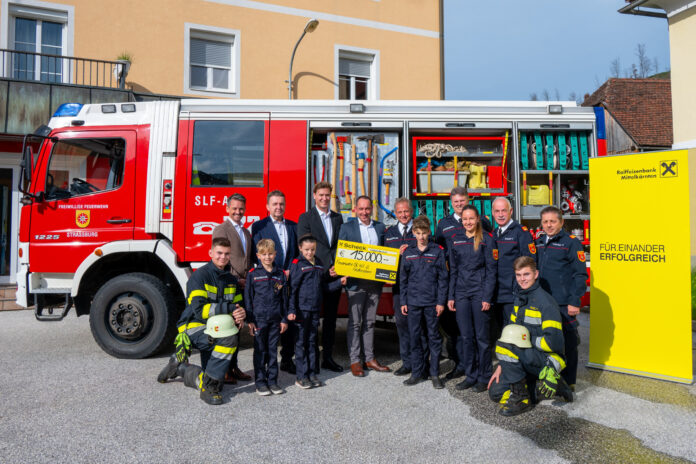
<point>120,200</point>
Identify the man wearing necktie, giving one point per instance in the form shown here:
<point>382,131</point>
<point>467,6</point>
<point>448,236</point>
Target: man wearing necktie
<point>401,236</point>
<point>240,258</point>
<point>513,240</point>
<point>283,232</point>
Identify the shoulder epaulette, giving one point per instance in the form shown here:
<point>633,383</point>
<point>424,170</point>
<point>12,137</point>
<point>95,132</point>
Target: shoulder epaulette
<point>572,236</point>
<point>295,261</point>
<point>252,269</point>
<point>441,247</point>
<point>490,235</point>
<point>525,228</point>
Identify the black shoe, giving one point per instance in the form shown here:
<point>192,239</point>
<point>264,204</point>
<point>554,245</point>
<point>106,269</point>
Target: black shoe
<point>170,371</point>
<point>276,390</point>
<point>289,367</point>
<point>315,382</point>
<point>263,390</point>
<point>210,390</point>
<point>402,371</point>
<point>564,391</point>
<point>465,385</point>
<point>518,402</point>
<point>455,374</point>
<point>479,387</point>
<point>331,365</point>
<point>437,383</point>
<point>303,383</point>
<point>412,381</point>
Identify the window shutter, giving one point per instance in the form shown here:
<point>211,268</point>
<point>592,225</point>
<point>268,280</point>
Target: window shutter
<point>357,68</point>
<point>211,53</point>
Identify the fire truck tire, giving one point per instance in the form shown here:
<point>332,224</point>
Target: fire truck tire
<point>133,316</point>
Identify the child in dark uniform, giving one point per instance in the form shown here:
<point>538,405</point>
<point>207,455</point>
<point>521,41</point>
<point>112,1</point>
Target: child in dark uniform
<point>266,299</point>
<point>307,285</point>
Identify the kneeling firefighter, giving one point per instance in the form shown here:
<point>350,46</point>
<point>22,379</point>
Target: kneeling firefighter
<point>222,336</point>
<point>530,348</point>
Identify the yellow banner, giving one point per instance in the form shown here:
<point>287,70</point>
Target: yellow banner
<point>370,262</point>
<point>640,300</point>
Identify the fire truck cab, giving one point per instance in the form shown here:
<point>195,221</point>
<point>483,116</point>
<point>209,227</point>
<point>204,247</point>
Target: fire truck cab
<point>120,200</point>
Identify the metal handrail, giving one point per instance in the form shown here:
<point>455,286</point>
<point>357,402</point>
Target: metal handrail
<point>59,69</point>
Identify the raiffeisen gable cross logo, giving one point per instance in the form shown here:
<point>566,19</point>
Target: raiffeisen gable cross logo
<point>668,168</point>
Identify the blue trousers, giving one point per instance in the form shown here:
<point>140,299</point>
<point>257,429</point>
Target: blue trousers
<point>307,323</point>
<point>474,326</point>
<point>287,344</point>
<point>266,353</point>
<point>572,340</point>
<point>216,353</point>
<point>405,341</point>
<point>416,314</point>
<point>531,361</point>
<point>448,322</point>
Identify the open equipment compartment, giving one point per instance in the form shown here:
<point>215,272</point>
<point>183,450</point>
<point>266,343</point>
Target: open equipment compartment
<point>363,161</point>
<point>470,154</point>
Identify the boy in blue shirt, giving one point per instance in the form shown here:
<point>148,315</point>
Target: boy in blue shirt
<point>423,281</point>
<point>266,297</point>
<point>307,285</point>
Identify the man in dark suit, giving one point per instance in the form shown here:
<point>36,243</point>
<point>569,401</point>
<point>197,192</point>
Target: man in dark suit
<point>283,232</point>
<point>240,259</point>
<point>363,295</point>
<point>324,224</point>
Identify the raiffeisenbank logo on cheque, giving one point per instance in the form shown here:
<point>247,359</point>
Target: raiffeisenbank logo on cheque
<point>664,169</point>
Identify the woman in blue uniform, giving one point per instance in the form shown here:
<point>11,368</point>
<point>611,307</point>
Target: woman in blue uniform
<point>473,275</point>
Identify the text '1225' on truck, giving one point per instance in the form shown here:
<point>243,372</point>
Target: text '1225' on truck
<point>120,200</point>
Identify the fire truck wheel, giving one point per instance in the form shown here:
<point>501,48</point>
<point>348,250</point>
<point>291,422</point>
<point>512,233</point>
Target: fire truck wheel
<point>133,316</point>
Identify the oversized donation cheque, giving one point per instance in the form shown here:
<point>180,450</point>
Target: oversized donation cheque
<point>370,262</point>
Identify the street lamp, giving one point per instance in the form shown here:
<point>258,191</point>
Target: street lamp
<point>309,27</point>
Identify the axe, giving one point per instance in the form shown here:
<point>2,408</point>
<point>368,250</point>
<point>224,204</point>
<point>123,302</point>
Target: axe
<point>354,180</point>
<point>334,192</point>
<point>342,160</point>
<point>361,172</point>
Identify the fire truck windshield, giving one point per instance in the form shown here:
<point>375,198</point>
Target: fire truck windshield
<point>83,166</point>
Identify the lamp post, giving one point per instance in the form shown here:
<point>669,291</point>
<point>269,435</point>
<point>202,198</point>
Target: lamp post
<point>309,27</point>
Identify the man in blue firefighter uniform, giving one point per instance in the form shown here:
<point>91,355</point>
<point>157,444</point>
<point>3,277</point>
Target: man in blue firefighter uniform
<point>211,290</point>
<point>530,348</point>
<point>400,236</point>
<point>562,273</point>
<point>513,240</point>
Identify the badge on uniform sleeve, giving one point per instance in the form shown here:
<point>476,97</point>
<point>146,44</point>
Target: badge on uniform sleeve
<point>581,256</point>
<point>532,248</point>
<point>495,254</point>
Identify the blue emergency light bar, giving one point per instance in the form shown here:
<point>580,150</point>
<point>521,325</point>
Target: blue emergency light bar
<point>68,109</point>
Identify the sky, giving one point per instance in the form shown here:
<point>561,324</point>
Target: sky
<point>509,49</point>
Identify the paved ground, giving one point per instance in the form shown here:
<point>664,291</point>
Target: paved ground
<point>63,400</point>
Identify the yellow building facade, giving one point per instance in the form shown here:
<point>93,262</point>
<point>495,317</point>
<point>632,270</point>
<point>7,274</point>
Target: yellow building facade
<point>681,18</point>
<point>361,49</point>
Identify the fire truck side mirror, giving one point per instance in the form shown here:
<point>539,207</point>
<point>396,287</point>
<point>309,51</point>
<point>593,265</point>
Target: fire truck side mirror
<point>27,163</point>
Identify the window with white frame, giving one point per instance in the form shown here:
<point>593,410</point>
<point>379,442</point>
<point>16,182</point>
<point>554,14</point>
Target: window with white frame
<point>39,38</point>
<point>212,60</point>
<point>355,75</point>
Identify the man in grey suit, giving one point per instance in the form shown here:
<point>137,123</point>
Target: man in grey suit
<point>363,295</point>
<point>240,259</point>
<point>323,224</point>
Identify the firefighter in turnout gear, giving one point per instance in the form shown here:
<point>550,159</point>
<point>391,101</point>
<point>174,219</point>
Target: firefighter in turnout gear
<point>530,348</point>
<point>212,291</point>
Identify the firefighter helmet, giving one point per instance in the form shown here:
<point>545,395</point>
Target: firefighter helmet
<point>517,335</point>
<point>221,326</point>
